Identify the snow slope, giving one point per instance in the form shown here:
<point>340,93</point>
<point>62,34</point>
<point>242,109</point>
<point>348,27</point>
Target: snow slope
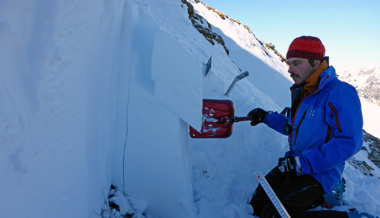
<point>371,118</point>
<point>94,93</point>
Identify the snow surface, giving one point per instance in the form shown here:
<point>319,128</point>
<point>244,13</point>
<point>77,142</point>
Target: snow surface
<point>94,93</point>
<point>371,117</point>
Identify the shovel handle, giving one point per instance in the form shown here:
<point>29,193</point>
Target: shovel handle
<point>235,119</point>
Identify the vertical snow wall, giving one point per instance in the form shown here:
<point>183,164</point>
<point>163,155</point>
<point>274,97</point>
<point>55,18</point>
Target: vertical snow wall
<point>164,95</point>
<point>85,103</point>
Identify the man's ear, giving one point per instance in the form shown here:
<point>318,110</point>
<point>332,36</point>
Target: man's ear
<point>316,64</point>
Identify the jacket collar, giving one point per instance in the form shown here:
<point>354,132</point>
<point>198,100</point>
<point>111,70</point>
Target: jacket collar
<point>315,80</point>
<point>312,83</point>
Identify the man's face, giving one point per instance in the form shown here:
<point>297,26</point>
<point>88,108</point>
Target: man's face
<point>300,69</point>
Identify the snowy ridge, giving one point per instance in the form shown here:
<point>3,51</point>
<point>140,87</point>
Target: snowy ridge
<point>250,54</point>
<point>96,98</point>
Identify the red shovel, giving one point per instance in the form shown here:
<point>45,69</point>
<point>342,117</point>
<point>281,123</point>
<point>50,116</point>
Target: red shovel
<point>218,119</point>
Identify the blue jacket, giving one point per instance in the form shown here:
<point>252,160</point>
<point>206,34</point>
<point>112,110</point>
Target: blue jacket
<point>327,129</point>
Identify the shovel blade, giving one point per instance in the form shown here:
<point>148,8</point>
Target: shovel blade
<point>212,126</point>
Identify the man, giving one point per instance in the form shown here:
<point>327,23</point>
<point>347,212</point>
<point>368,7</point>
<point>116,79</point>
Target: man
<point>324,126</point>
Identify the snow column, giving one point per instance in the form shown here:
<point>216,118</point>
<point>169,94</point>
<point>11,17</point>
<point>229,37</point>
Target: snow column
<point>59,66</point>
<point>165,96</point>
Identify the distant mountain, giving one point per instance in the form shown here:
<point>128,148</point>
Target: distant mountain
<point>366,81</point>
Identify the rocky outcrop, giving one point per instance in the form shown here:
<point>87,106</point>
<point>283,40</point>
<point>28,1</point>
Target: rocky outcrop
<point>374,148</point>
<point>204,27</point>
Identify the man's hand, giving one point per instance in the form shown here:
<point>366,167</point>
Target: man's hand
<point>257,116</point>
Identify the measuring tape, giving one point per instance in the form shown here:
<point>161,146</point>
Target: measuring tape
<point>272,196</point>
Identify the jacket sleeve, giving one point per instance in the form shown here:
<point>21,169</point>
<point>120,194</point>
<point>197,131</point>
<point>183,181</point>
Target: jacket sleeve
<point>276,121</point>
<point>345,120</point>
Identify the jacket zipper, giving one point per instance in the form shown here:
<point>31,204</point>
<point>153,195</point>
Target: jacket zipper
<point>328,135</point>
<point>336,116</point>
<point>298,127</point>
<point>294,117</point>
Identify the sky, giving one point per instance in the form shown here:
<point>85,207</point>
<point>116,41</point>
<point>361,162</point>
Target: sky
<point>349,29</point>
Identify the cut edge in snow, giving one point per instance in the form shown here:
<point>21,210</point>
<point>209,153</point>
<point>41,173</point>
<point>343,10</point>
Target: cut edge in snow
<point>118,205</point>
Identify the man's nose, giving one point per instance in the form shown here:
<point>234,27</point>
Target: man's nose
<point>290,70</point>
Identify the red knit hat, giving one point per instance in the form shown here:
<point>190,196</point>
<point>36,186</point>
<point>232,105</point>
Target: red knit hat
<point>307,47</point>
